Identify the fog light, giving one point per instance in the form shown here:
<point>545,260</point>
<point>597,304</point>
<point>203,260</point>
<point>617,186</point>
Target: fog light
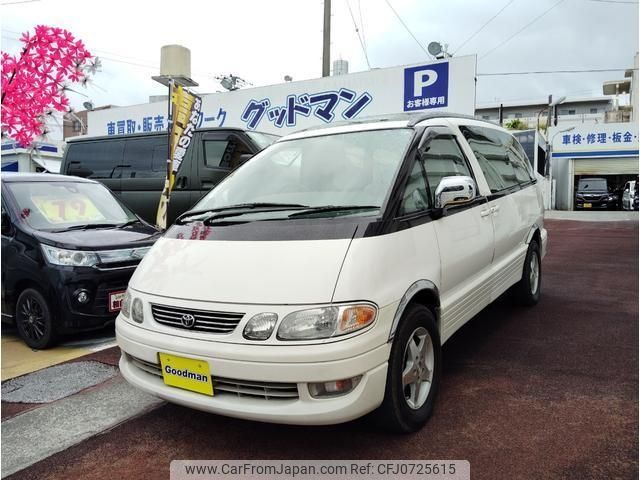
<point>335,388</point>
<point>260,326</point>
<point>137,312</point>
<point>82,296</point>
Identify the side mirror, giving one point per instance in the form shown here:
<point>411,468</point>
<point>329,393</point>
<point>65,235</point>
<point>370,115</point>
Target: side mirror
<point>455,191</point>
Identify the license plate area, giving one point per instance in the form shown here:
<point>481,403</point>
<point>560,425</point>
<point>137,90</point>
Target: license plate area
<point>587,205</point>
<point>115,301</point>
<point>186,373</point>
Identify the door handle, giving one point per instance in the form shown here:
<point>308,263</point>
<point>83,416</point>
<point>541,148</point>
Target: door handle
<point>486,213</point>
<point>495,210</point>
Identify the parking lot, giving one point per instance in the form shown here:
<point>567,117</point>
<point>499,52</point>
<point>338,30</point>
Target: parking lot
<point>546,392</point>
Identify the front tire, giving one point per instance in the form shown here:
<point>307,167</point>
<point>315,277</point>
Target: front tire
<point>34,320</point>
<point>527,290</point>
<point>414,372</point>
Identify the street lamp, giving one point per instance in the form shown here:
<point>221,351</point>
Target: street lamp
<point>548,109</point>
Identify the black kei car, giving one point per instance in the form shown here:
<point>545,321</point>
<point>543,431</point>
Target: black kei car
<point>594,194</point>
<point>69,248</point>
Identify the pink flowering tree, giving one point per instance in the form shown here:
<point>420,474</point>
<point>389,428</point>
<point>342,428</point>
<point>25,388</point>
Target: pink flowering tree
<point>35,82</point>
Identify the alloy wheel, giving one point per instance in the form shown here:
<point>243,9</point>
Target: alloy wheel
<point>417,374</point>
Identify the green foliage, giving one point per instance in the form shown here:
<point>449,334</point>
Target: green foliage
<point>516,124</point>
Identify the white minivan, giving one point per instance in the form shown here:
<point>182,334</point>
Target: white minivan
<point>319,281</point>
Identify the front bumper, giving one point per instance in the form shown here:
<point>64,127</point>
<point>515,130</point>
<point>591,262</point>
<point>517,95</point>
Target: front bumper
<point>595,204</point>
<point>73,316</point>
<point>230,361</point>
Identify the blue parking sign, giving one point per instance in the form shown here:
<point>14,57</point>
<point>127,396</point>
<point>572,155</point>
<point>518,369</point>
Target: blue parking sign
<point>426,86</point>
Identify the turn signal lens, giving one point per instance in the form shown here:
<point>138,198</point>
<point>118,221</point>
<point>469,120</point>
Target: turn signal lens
<point>126,305</point>
<point>355,318</point>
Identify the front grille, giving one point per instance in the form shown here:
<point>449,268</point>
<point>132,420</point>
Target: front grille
<point>205,321</point>
<point>240,388</point>
<point>251,388</point>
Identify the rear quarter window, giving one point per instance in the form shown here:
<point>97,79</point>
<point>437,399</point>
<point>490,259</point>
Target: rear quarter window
<point>96,160</point>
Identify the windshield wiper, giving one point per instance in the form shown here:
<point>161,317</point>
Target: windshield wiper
<point>241,206</point>
<point>86,227</point>
<point>130,222</point>
<point>333,208</point>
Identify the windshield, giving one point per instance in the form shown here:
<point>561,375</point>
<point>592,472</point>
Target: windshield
<point>62,205</point>
<point>592,185</point>
<point>354,169</point>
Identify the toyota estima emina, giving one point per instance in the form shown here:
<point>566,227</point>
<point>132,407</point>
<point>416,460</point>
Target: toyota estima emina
<point>319,281</point>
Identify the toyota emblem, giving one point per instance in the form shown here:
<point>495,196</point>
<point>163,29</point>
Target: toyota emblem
<point>188,320</point>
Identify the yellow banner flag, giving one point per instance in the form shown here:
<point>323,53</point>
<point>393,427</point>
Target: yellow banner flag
<point>185,112</point>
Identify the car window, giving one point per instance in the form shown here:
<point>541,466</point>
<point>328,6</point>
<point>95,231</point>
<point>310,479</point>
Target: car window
<point>500,157</point>
<point>145,158</point>
<point>224,153</point>
<point>443,158</point>
<point>415,198</point>
<point>95,159</point>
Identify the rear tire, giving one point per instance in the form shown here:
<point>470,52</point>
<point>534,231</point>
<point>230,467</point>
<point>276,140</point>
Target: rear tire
<point>527,290</point>
<point>34,320</point>
<point>414,372</point>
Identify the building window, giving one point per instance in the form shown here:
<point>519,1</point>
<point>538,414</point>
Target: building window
<point>486,117</point>
<point>77,126</point>
<point>518,115</point>
<point>593,110</point>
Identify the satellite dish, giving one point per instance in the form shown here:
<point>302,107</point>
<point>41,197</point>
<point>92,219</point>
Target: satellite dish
<point>88,106</point>
<point>435,48</point>
<point>287,78</point>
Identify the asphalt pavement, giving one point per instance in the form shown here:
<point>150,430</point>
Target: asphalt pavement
<point>543,392</point>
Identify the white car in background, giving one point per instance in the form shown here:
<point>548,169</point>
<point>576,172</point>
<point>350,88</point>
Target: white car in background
<point>630,196</point>
<point>319,281</point>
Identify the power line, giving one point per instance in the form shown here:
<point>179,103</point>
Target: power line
<point>364,49</point>
<point>364,40</point>
<point>482,27</point>
<point>523,28</point>
<point>407,29</point>
<point>592,70</point>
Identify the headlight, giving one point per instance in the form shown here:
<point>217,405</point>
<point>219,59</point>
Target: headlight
<point>137,313</point>
<point>126,305</point>
<point>260,326</point>
<point>70,258</point>
<point>326,322</point>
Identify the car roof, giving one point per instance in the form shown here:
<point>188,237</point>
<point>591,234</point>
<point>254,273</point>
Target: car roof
<point>85,138</point>
<point>15,177</point>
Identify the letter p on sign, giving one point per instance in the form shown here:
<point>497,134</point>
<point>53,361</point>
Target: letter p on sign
<point>423,79</point>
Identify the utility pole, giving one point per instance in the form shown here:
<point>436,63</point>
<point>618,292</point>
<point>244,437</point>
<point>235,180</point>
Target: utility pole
<point>326,39</point>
